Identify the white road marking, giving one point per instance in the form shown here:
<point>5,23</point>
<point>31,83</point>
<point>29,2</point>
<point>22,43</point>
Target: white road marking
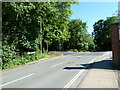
<point>79,73</point>
<point>94,59</point>
<point>74,79</point>
<point>57,64</point>
<point>16,80</point>
<point>62,62</point>
<point>108,53</point>
<point>105,53</point>
<point>79,56</point>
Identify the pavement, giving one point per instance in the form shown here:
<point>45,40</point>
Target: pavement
<point>73,70</point>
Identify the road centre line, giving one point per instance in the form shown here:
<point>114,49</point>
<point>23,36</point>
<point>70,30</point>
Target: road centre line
<point>105,53</point>
<point>57,64</point>
<point>61,63</point>
<point>108,53</point>
<point>79,56</point>
<point>80,72</point>
<point>16,80</point>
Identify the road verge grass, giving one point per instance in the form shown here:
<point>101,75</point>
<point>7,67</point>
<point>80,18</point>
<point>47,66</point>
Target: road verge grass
<point>27,58</point>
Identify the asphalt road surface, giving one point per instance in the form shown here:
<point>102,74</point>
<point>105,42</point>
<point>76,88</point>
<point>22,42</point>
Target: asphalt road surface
<point>60,72</point>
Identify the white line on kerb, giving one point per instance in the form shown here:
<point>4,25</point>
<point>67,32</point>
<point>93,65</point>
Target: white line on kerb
<point>16,80</point>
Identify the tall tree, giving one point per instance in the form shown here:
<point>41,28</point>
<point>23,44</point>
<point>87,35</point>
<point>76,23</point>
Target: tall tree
<point>56,26</point>
<point>26,24</point>
<point>79,39</point>
<point>102,33</point>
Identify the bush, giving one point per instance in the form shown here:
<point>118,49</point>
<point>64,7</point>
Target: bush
<point>24,59</point>
<point>8,53</point>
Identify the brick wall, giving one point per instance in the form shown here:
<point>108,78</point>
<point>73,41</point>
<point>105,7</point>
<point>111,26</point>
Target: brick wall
<point>116,49</point>
<point>115,44</point>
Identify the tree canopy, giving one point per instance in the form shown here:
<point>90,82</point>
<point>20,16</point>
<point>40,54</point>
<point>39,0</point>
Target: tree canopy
<point>102,33</point>
<point>28,25</point>
<point>79,39</point>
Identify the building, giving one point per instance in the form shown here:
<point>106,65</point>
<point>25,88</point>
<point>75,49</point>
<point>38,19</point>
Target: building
<point>116,44</point>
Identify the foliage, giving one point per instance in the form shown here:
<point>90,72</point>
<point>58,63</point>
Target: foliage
<point>20,28</point>
<point>102,33</point>
<point>79,39</point>
<point>27,19</point>
<point>26,58</point>
<point>8,53</point>
<point>26,24</point>
<point>57,29</point>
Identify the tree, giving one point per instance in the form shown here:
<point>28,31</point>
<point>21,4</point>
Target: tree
<point>79,39</point>
<point>102,33</point>
<point>56,26</point>
<point>22,30</point>
<point>59,33</point>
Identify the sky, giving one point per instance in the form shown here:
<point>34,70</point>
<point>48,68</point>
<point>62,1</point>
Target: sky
<point>91,12</point>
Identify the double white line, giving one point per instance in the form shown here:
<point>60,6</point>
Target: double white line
<point>74,79</point>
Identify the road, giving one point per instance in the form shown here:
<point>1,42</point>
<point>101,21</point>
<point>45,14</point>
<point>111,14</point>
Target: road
<point>59,72</point>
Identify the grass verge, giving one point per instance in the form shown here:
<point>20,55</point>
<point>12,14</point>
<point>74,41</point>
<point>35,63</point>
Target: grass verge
<point>26,58</point>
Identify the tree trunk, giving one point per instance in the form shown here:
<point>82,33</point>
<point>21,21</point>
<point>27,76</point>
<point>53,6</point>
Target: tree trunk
<point>62,46</point>
<point>47,47</point>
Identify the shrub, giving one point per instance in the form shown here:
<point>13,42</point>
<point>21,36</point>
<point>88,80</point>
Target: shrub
<point>8,53</point>
<point>24,59</point>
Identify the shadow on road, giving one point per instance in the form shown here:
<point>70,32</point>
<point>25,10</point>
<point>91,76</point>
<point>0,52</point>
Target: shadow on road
<point>104,64</point>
